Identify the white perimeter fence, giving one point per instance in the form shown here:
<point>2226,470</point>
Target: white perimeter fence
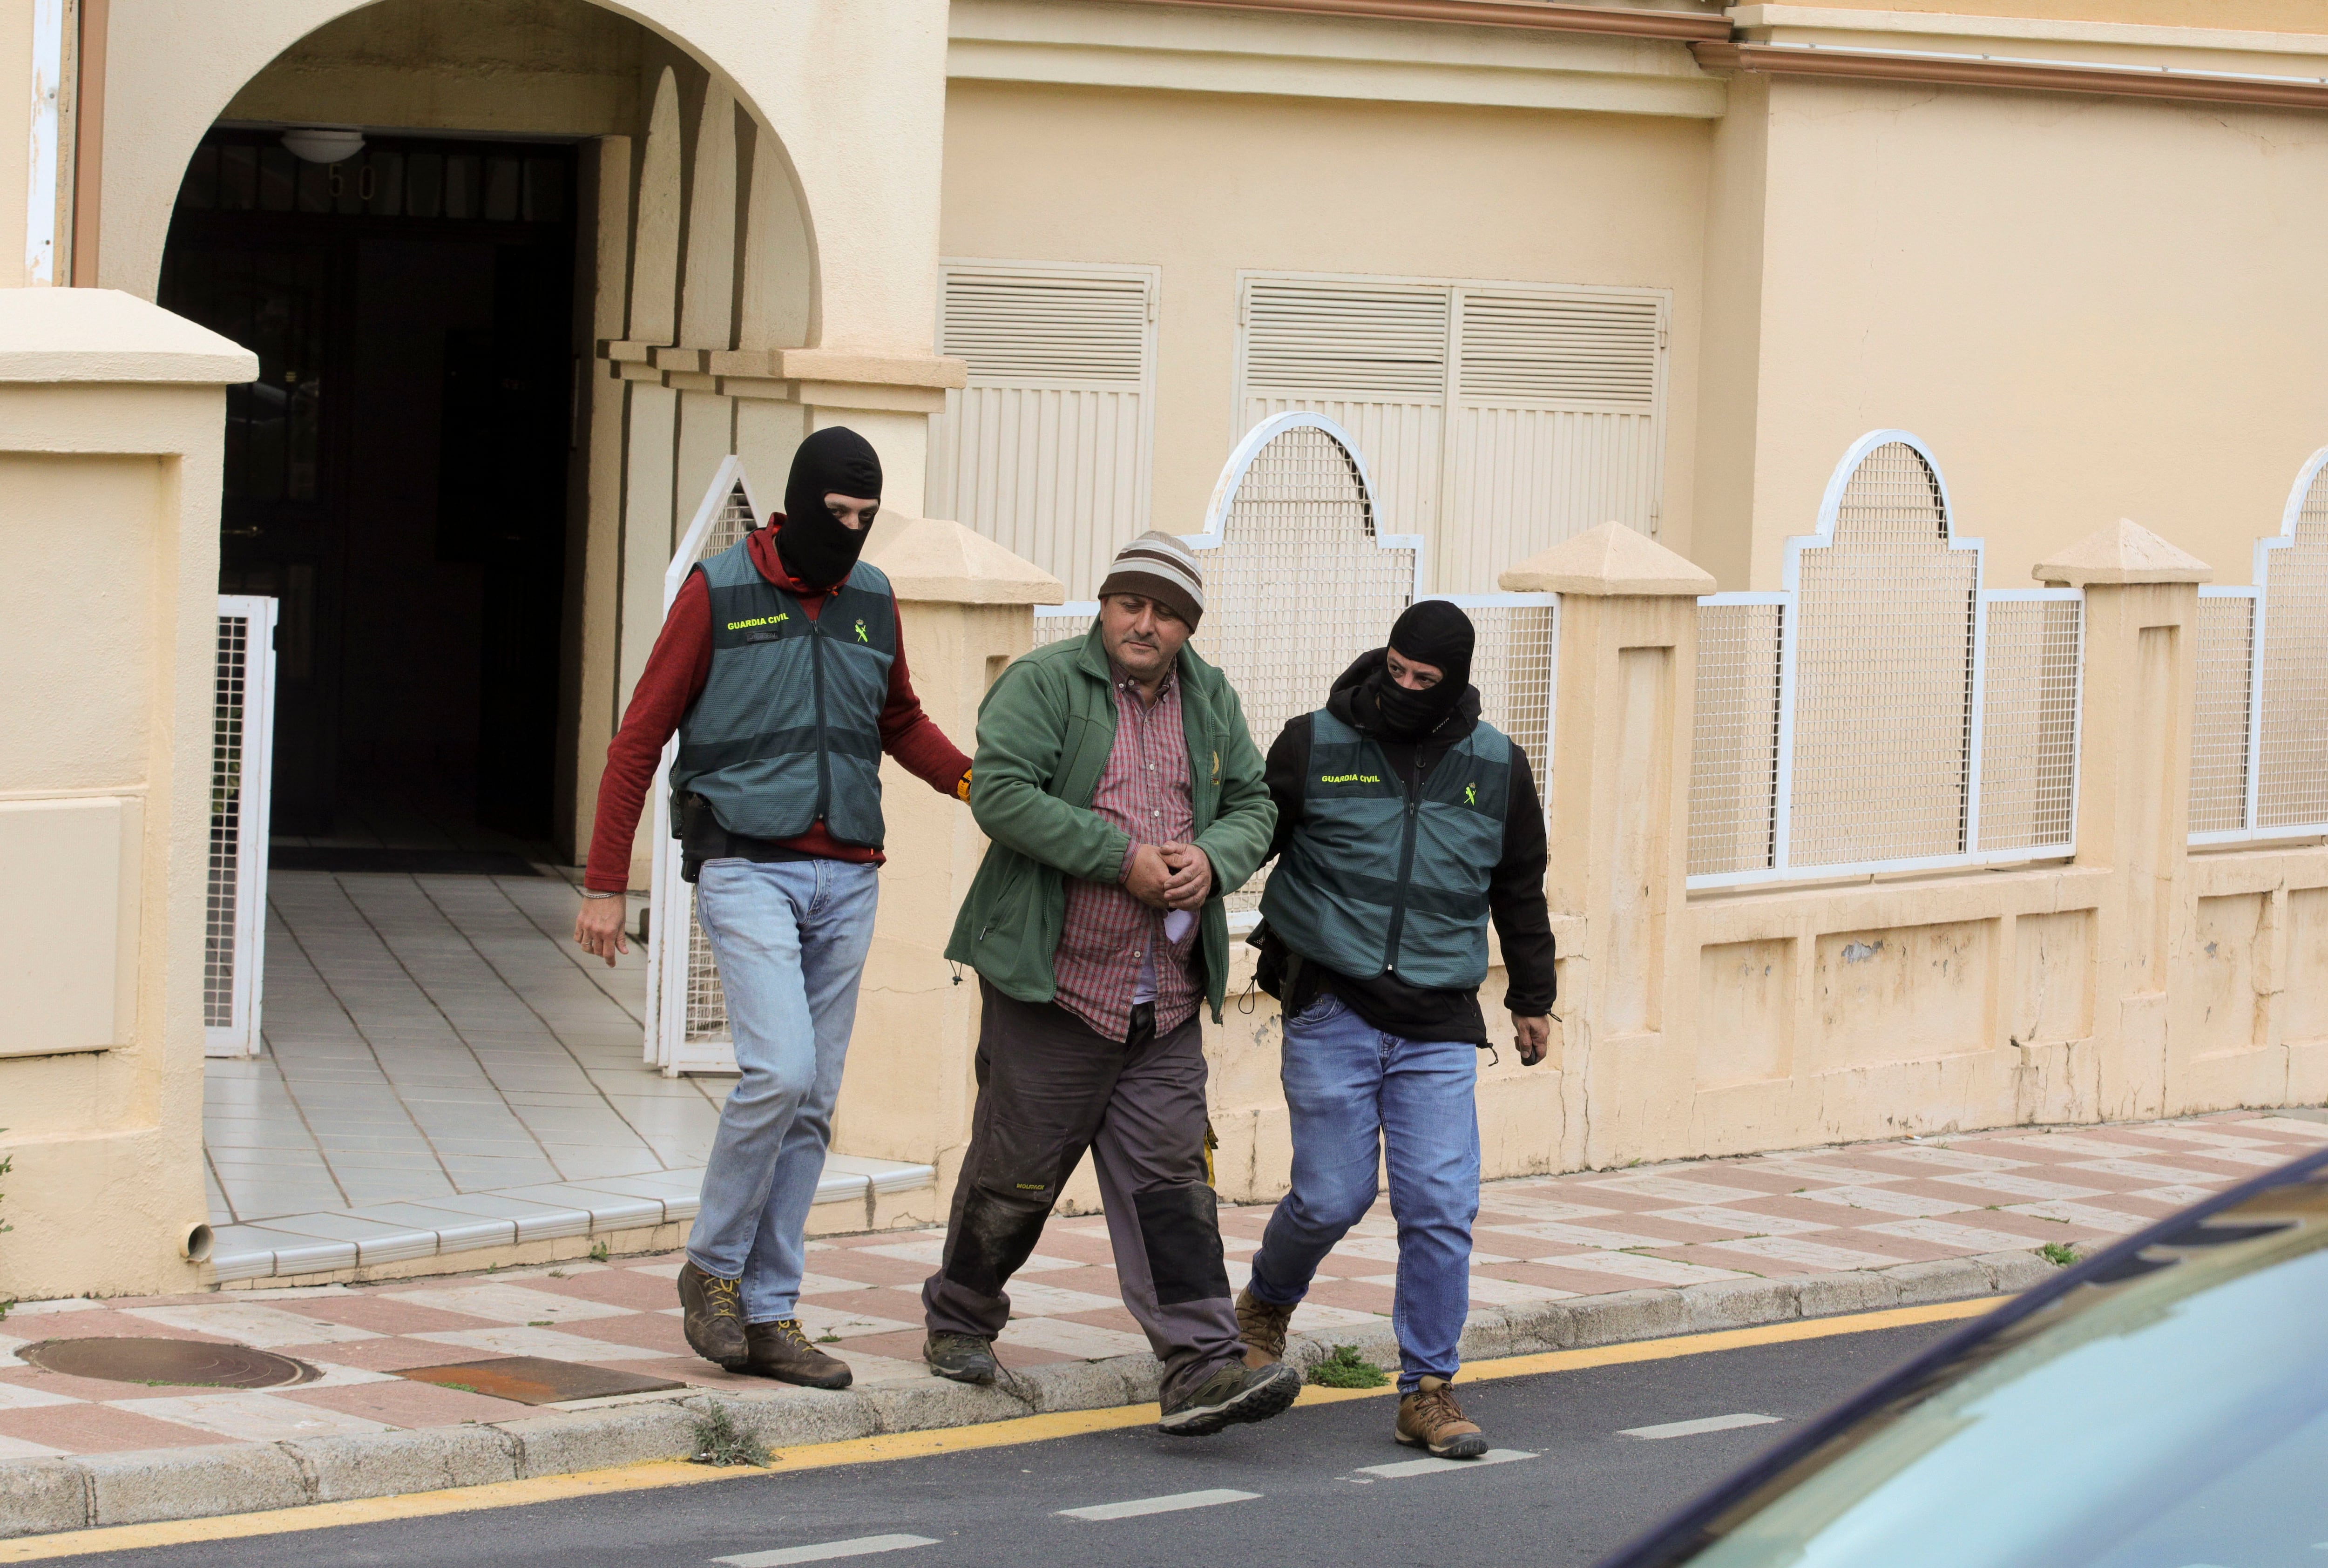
<point>2259,746</point>
<point>242,755</point>
<point>1883,712</point>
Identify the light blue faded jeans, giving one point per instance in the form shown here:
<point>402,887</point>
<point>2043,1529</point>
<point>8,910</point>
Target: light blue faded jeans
<point>1361,1098</point>
<point>790,938</point>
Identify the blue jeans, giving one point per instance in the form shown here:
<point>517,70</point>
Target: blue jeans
<point>1352,1089</point>
<point>790,938</point>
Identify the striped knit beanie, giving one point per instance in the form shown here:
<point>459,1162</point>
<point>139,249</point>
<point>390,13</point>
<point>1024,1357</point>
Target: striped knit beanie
<point>1159,567</point>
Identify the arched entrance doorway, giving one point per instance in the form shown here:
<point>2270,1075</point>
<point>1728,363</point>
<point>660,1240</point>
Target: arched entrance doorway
<point>483,401</point>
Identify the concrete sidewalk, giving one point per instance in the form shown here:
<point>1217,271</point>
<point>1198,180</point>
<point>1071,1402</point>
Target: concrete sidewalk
<point>1590,1258</point>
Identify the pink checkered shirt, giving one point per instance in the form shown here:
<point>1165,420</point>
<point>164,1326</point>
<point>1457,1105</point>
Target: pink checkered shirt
<point>1108,936</point>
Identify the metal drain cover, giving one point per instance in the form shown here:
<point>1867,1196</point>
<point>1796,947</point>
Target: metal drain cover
<point>187,1362</point>
<point>536,1379</point>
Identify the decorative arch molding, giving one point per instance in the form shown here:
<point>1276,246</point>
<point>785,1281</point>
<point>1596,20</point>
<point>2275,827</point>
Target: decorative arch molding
<point>849,100</point>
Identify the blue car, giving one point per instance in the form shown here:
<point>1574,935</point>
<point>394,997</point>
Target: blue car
<point>2163,1404</point>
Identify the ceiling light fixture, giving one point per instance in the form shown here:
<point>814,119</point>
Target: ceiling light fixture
<point>323,144</point>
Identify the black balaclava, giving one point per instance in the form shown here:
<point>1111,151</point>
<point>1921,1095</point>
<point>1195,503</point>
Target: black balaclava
<point>1431,632</point>
<point>813,544</point>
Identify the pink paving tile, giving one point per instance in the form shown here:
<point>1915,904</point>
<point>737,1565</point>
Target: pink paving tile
<point>1116,1318</point>
<point>394,1355</point>
<point>98,1429</point>
<point>1082,1249</point>
<point>689,1369</point>
<point>867,1269</point>
<point>657,1333</point>
<point>903,1344</point>
<point>409,1404</point>
<point>614,1287</point>
<point>70,1387</point>
<point>1550,1278</point>
<point>1353,1295</point>
<point>101,1324</point>
<point>384,1314</point>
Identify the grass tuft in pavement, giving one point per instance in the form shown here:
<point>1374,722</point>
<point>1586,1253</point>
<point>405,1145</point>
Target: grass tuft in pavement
<point>1346,1368</point>
<point>2060,1255</point>
<point>719,1442</point>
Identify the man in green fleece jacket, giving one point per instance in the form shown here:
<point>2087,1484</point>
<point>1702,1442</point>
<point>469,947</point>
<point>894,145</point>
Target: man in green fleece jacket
<point>1124,797</point>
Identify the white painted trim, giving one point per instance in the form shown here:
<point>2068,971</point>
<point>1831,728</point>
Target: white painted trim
<point>1172,48</point>
<point>45,150</point>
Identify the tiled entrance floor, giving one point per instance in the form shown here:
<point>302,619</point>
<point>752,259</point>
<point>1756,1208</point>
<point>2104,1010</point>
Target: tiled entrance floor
<point>1783,1216</point>
<point>443,1070</point>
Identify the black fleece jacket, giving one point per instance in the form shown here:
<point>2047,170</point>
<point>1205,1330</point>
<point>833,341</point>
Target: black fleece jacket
<point>1514,892</point>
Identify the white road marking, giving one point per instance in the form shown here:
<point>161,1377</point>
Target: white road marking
<point>861,1546</point>
<point>1136,1506</point>
<point>1703,1423</point>
<point>1432,1466</point>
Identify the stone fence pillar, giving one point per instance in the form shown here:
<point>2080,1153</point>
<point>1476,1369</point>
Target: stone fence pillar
<point>1618,795</point>
<point>968,608</point>
<point>112,414</point>
<point>2134,798</point>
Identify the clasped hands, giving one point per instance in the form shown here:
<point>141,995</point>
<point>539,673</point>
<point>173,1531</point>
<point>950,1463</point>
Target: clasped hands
<point>1169,875</point>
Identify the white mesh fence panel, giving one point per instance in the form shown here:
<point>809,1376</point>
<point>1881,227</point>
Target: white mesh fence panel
<point>219,922</point>
<point>1511,664</point>
<point>234,900</point>
<point>2292,749</point>
<point>2218,736</point>
<point>1884,674</point>
<point>1298,586</point>
<point>1059,623</point>
<point>1734,765</point>
<point>2029,722</point>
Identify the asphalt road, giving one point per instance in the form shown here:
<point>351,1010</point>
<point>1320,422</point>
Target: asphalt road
<point>1582,1488</point>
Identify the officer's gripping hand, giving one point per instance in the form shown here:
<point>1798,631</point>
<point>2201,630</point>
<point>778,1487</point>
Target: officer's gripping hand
<point>1532,1037</point>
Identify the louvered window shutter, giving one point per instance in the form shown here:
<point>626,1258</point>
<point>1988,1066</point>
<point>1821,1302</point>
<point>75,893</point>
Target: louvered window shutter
<point>1495,418</point>
<point>1046,451</point>
<point>1372,357</point>
<point>1557,423</point>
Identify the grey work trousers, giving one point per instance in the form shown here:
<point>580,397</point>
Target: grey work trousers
<point>1050,1086</point>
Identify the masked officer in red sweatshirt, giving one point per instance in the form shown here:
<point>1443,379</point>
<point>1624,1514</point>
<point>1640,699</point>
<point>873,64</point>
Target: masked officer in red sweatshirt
<point>781,667</point>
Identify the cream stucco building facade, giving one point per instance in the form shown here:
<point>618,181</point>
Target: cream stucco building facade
<point>1552,264</point>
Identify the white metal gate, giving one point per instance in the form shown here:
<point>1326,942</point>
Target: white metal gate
<point>1883,712</point>
<point>2259,750</point>
<point>243,754</point>
<point>1302,575</point>
<point>686,1011</point>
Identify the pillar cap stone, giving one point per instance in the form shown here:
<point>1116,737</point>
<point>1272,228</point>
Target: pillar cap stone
<point>102,335</point>
<point>2122,552</point>
<point>935,560</point>
<point>1610,559</point>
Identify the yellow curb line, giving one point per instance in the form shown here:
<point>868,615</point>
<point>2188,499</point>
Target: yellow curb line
<point>659,1473</point>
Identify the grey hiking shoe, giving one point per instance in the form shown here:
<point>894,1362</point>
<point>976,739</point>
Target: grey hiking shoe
<point>712,1315</point>
<point>1234,1392</point>
<point>964,1358</point>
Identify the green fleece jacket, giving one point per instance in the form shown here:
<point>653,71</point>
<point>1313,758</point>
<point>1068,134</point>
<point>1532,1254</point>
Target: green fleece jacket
<point>1045,732</point>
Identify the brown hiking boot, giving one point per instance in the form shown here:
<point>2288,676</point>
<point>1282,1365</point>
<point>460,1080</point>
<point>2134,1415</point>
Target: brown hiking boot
<point>713,1318</point>
<point>1430,1418</point>
<point>780,1351</point>
<point>1263,1325</point>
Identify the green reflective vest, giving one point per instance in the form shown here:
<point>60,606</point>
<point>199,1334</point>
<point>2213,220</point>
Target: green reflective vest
<point>1376,880</point>
<point>788,726</point>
